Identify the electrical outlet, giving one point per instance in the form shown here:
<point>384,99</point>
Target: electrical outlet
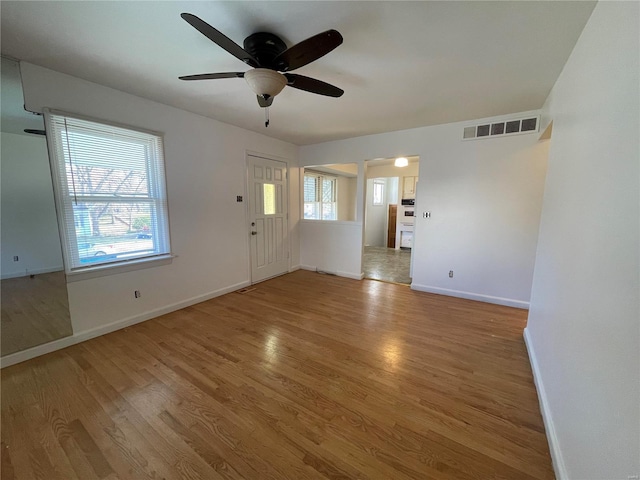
<point>238,198</point>
<point>15,258</point>
<point>450,273</point>
<point>137,294</point>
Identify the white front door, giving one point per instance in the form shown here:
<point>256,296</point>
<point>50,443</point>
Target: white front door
<point>268,214</point>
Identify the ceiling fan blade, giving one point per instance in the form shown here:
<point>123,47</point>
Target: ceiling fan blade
<point>34,132</point>
<point>219,38</point>
<point>312,85</point>
<point>264,103</point>
<point>212,76</point>
<point>308,50</point>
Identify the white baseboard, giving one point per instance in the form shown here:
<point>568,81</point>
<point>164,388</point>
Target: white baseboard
<point>294,268</point>
<point>37,351</point>
<point>508,302</point>
<point>79,337</point>
<point>338,273</point>
<point>354,276</point>
<point>554,445</point>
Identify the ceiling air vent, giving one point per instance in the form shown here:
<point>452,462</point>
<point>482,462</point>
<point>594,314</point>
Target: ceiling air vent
<point>500,129</point>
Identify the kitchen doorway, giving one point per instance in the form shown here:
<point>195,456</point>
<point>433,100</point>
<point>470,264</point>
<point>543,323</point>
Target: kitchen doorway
<point>389,220</point>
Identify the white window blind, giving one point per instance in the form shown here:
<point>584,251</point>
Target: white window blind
<point>111,191</point>
<point>320,197</point>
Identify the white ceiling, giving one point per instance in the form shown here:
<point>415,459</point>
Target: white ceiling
<point>402,64</point>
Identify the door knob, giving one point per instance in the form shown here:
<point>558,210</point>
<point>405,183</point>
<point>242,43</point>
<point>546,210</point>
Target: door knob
<point>254,233</point>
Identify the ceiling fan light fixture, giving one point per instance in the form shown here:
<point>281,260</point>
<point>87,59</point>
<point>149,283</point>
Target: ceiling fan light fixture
<point>401,162</point>
<point>264,81</point>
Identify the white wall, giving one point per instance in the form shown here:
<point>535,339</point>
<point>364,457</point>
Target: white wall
<point>485,198</point>
<point>324,247</point>
<point>206,169</point>
<point>584,323</point>
<point>375,219</point>
<point>335,246</point>
<point>378,171</point>
<point>29,227</point>
<point>393,191</point>
<point>377,216</point>
<point>346,198</point>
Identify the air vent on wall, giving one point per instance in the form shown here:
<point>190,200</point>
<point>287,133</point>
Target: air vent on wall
<point>510,127</point>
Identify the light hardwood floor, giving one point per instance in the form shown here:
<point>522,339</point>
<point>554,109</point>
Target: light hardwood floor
<point>306,377</point>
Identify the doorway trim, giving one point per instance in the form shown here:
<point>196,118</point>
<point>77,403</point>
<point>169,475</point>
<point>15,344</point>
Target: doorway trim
<point>247,210</point>
<point>370,163</point>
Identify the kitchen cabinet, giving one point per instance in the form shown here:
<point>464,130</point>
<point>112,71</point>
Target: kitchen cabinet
<point>406,239</point>
<point>409,187</point>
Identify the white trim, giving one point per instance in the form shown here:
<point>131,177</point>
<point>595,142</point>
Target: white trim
<point>508,302</point>
<point>331,222</point>
<point>37,271</point>
<point>87,118</point>
<point>247,208</point>
<point>157,197</point>
<point>552,438</point>
<point>39,350</point>
<point>121,266</point>
<point>294,268</point>
<point>269,278</point>
<point>354,276</point>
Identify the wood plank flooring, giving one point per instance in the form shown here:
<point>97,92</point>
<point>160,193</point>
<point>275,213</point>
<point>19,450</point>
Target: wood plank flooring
<point>306,377</point>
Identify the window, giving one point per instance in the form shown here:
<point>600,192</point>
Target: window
<point>269,197</point>
<point>110,189</point>
<point>378,191</point>
<point>320,197</point>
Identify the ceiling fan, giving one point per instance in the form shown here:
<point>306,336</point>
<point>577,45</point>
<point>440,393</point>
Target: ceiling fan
<point>269,55</point>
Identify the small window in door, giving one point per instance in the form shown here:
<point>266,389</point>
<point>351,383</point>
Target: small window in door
<point>269,194</point>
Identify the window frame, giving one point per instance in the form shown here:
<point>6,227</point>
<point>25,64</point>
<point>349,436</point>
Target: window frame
<point>156,196</point>
<point>381,183</point>
<point>319,190</point>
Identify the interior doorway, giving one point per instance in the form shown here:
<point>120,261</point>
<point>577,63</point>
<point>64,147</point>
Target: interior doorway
<point>389,220</point>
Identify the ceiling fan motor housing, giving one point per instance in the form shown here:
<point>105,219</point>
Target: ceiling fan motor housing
<point>265,47</point>
<point>269,56</point>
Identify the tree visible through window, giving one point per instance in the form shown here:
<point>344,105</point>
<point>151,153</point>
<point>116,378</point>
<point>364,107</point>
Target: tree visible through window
<point>320,197</point>
<point>111,191</point>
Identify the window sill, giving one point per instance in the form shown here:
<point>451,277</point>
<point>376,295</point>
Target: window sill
<point>120,267</point>
<point>332,222</point>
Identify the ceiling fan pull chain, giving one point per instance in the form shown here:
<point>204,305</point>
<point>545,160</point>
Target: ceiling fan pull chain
<point>266,117</point>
